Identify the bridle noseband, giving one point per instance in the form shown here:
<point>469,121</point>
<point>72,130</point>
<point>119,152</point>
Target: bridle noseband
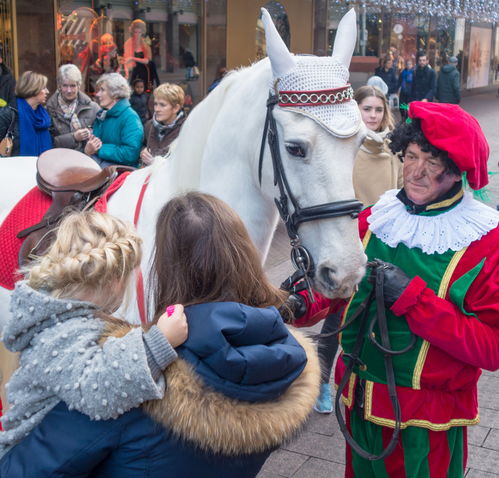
<point>300,256</point>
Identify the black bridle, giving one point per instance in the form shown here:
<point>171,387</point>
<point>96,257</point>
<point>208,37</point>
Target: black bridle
<point>300,256</point>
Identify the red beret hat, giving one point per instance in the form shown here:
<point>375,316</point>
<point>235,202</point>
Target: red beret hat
<point>450,128</point>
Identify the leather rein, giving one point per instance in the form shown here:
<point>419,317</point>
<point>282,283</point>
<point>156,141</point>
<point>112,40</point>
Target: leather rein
<point>300,256</point>
<point>366,329</point>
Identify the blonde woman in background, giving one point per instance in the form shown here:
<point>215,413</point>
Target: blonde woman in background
<point>164,127</point>
<point>376,169</point>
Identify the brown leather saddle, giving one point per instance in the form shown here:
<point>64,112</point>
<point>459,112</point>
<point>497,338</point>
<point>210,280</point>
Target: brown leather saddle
<point>75,182</point>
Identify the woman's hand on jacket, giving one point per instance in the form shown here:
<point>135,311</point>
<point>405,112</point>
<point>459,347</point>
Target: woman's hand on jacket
<point>93,145</point>
<point>146,156</point>
<point>174,327</point>
<point>82,134</point>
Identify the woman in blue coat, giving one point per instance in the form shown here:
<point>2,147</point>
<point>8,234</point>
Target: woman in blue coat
<point>243,383</point>
<point>117,130</point>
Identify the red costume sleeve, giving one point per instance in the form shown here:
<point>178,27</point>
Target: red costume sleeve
<point>322,307</point>
<point>318,310</point>
<point>473,340</point>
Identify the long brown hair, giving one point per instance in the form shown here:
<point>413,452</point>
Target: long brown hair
<point>203,253</point>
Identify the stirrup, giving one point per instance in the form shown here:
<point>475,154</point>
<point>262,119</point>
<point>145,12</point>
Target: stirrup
<point>324,403</point>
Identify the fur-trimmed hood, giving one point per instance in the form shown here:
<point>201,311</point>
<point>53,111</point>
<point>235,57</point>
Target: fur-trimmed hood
<point>220,424</point>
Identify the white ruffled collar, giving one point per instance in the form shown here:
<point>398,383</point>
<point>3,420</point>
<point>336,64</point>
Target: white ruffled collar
<point>453,229</point>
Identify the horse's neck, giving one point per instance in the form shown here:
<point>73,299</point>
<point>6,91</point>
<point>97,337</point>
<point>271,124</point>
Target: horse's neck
<point>218,147</point>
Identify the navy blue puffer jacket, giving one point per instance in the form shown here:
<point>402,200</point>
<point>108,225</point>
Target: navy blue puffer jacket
<point>242,385</point>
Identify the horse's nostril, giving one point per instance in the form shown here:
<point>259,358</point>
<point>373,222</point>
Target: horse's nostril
<point>327,275</point>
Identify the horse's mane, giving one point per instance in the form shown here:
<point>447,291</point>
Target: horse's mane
<point>188,150</point>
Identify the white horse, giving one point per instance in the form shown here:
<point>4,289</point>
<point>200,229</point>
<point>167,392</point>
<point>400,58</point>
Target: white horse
<point>218,152</point>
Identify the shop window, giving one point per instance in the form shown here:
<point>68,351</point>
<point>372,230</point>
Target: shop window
<point>6,38</point>
<point>479,57</point>
<point>216,49</point>
<point>281,21</point>
<point>35,38</point>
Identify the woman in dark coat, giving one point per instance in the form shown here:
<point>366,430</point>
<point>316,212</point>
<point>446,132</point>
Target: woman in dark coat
<point>387,73</point>
<point>7,85</point>
<point>164,127</point>
<point>29,122</point>
<point>242,384</point>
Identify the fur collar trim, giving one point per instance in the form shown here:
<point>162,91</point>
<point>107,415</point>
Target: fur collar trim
<point>222,425</point>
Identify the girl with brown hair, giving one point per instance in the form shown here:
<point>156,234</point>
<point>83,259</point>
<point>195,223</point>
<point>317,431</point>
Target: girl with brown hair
<point>242,384</point>
<point>376,169</point>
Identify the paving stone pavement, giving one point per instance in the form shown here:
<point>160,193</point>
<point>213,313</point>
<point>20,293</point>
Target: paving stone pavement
<point>318,452</point>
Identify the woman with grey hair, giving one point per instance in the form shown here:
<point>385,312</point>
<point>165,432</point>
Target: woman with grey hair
<point>72,111</point>
<point>118,132</point>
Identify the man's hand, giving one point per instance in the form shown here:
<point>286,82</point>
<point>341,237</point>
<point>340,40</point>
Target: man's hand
<point>297,305</point>
<point>395,280</point>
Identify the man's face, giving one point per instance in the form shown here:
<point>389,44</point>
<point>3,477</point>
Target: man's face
<point>425,178</point>
<point>422,61</point>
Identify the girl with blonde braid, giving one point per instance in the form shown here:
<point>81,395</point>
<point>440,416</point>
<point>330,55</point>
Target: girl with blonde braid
<point>59,313</point>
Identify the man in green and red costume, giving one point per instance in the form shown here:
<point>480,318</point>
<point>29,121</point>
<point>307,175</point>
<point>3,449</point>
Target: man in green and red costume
<point>441,285</point>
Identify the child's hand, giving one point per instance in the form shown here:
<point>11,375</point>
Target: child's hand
<point>174,328</point>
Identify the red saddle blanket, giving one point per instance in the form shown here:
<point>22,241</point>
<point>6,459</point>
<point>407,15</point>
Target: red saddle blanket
<point>27,212</point>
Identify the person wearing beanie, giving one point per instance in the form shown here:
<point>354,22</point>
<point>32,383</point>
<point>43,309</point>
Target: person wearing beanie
<point>435,247</point>
<point>449,83</point>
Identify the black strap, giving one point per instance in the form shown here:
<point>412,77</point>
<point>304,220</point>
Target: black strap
<point>10,129</point>
<point>354,360</point>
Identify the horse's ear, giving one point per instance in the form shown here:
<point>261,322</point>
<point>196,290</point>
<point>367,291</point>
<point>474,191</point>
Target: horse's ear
<point>346,37</point>
<point>281,60</point>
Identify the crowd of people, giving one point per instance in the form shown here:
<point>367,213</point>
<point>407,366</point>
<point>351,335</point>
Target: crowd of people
<point>420,83</point>
<point>219,370</point>
<point>108,127</point>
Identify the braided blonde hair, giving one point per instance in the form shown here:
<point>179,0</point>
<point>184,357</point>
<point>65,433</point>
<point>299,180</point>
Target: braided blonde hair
<point>92,251</point>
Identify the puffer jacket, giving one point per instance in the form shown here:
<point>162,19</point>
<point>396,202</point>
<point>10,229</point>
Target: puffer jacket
<point>61,126</point>
<point>449,85</point>
<point>121,133</point>
<point>243,385</point>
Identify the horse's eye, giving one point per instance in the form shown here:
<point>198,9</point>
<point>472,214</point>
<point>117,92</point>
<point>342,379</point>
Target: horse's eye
<point>296,150</point>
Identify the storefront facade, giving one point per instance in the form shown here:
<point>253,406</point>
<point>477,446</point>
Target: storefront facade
<point>465,29</point>
<point>194,41</point>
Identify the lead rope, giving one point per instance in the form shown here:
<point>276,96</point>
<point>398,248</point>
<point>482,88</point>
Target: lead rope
<point>354,359</point>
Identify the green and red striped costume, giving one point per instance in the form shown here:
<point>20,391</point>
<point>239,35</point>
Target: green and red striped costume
<point>452,306</point>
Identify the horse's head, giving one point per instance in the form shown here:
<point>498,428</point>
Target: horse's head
<point>319,133</point>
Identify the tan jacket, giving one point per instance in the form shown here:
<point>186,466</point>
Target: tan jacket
<point>376,170</point>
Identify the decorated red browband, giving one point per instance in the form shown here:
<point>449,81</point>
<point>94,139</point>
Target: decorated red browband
<point>316,98</point>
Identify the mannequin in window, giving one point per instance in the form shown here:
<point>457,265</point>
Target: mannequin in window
<point>138,56</point>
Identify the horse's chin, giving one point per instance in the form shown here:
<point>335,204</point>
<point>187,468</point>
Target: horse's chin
<point>343,291</point>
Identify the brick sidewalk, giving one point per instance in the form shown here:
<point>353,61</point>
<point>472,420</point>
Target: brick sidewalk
<point>318,452</point>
